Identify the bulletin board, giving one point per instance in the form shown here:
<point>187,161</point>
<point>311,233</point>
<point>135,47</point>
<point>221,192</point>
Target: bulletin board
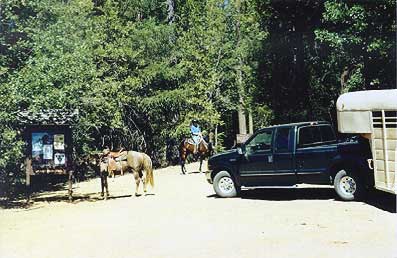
<point>49,148</point>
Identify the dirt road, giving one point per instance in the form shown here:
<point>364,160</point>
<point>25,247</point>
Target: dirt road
<point>181,217</point>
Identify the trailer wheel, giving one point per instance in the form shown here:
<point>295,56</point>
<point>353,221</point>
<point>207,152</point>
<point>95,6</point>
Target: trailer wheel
<point>349,186</point>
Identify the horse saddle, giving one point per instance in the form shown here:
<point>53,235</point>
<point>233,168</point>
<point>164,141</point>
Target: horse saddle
<point>191,141</point>
<point>121,156</point>
<point>115,159</point>
<point>112,164</point>
<point>115,165</point>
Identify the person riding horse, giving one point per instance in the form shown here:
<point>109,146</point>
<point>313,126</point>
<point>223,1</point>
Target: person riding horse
<point>195,145</point>
<point>196,134</point>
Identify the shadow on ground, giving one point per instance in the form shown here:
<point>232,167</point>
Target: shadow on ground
<point>54,198</point>
<point>378,199</point>
<point>47,188</point>
<point>16,196</point>
<point>91,197</point>
<point>382,200</point>
<point>282,194</point>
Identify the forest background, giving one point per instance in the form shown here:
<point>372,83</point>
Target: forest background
<point>138,71</point>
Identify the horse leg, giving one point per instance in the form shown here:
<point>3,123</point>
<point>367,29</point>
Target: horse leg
<point>113,176</point>
<point>137,181</point>
<point>143,178</point>
<point>201,163</point>
<point>102,185</point>
<point>106,187</point>
<point>183,166</point>
<point>121,169</point>
<point>182,158</point>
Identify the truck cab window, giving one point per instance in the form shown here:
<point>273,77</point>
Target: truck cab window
<point>261,142</point>
<point>310,136</point>
<point>282,139</point>
<point>327,134</point>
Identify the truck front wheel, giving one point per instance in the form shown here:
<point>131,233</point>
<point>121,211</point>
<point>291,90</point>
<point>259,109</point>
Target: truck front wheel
<point>224,185</point>
<point>348,185</point>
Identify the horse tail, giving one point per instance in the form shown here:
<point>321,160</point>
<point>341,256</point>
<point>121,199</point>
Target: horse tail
<point>181,146</point>
<point>149,171</point>
<point>181,149</point>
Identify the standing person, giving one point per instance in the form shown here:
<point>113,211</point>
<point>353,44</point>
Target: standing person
<point>196,134</point>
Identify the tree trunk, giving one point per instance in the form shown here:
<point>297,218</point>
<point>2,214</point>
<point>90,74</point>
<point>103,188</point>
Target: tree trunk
<point>250,123</point>
<point>216,136</point>
<point>171,11</point>
<point>242,123</point>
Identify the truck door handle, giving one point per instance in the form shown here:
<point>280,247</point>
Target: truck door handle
<point>270,158</point>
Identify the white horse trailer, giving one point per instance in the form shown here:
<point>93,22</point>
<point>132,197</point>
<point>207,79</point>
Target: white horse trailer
<point>373,114</point>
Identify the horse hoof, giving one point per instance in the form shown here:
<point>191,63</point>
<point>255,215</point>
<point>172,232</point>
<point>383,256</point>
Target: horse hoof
<point>137,195</point>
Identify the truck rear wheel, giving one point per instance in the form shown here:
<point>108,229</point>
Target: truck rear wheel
<point>224,185</point>
<point>348,185</point>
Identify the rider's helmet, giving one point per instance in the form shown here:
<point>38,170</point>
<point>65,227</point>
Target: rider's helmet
<point>194,121</point>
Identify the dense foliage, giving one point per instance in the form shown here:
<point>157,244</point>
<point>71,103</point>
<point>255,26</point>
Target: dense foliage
<point>138,71</point>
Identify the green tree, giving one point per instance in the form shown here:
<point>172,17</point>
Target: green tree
<point>360,41</point>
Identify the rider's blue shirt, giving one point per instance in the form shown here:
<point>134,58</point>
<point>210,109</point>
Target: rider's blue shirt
<point>195,129</point>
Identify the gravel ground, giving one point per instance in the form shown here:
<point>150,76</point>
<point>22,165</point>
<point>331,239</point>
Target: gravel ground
<point>181,217</point>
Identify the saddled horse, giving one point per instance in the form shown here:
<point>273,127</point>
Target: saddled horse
<point>115,161</point>
<point>138,163</point>
<point>187,147</point>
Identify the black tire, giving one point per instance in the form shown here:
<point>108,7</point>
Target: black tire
<point>224,185</point>
<point>349,186</point>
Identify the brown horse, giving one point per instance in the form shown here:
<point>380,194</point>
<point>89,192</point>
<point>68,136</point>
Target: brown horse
<point>138,163</point>
<point>187,147</point>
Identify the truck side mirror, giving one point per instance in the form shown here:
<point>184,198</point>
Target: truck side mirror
<point>239,150</point>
